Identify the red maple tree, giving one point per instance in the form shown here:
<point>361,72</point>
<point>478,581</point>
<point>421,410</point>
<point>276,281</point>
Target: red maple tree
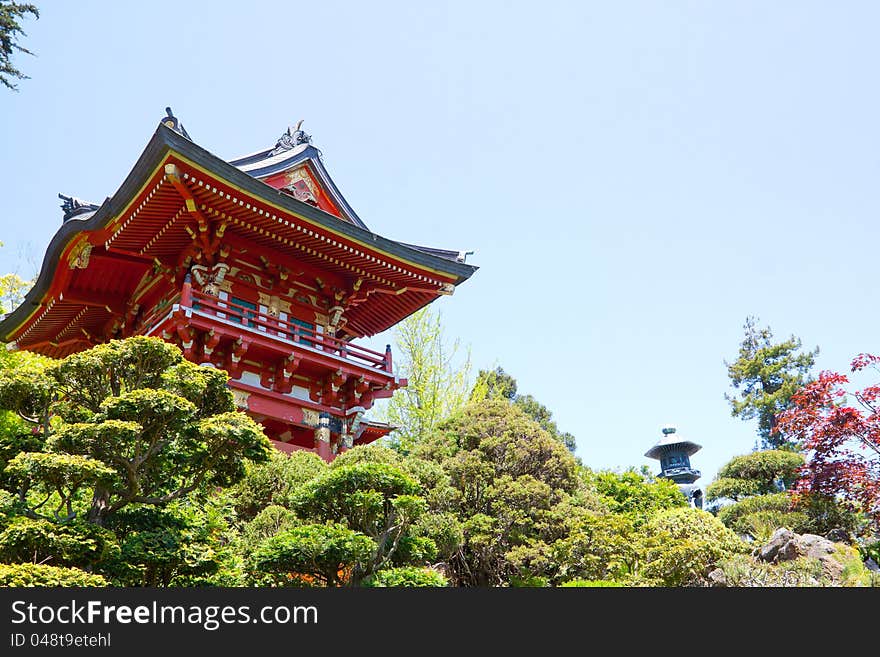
<point>842,440</point>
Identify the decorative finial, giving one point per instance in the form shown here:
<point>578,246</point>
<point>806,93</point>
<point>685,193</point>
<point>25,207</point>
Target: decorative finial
<point>174,123</point>
<point>73,206</point>
<point>291,138</point>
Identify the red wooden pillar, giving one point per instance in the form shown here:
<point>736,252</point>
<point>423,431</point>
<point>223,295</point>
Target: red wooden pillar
<point>186,292</point>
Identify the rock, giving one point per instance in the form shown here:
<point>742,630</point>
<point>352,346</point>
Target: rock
<point>785,545</point>
<point>781,537</point>
<point>788,552</point>
<point>810,545</point>
<point>717,578</point>
<point>871,565</point>
<point>831,567</point>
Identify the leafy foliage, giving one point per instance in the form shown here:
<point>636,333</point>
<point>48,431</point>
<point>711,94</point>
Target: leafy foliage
<point>40,541</point>
<point>767,374</point>
<point>132,421</point>
<point>498,384</point>
<point>408,577</point>
<point>505,479</point>
<point>758,473</point>
<point>760,515</point>
<point>10,28</point>
<point>375,499</point>
<point>437,385</point>
<point>843,440</point>
<point>32,575</point>
<point>275,481</point>
<point>681,547</point>
<point>327,553</point>
<point>179,544</point>
<point>630,493</point>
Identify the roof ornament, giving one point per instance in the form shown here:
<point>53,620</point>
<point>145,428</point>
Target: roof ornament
<point>73,207</point>
<point>292,138</point>
<point>174,123</point>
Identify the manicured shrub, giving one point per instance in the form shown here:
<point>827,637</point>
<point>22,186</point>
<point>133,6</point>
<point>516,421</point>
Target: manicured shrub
<point>406,577</point>
<point>32,575</point>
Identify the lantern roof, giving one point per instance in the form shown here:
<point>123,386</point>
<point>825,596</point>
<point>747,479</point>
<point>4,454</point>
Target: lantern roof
<point>672,442</point>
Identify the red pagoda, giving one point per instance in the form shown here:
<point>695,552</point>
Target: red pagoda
<point>257,265</point>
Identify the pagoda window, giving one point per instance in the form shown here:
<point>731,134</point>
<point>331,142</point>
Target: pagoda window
<point>240,311</point>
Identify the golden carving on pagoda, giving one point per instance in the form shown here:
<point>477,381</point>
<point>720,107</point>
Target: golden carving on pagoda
<point>240,397</point>
<point>211,279</point>
<point>274,304</point>
<point>301,187</point>
<point>79,256</point>
<point>310,417</point>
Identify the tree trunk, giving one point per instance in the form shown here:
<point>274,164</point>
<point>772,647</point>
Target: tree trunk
<point>100,506</point>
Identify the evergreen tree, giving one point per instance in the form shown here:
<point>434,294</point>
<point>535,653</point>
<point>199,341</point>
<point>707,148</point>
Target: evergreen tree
<point>498,384</point>
<point>10,15</point>
<point>767,374</point>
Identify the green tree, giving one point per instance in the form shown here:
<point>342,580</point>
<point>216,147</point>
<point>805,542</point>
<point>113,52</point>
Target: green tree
<point>326,553</point>
<point>185,543</point>
<point>374,499</point>
<point>10,14</point>
<point>130,422</point>
<point>766,374</point>
<point>498,384</point>
<point>632,494</point>
<point>759,473</point>
<point>40,541</point>
<point>33,574</point>
<point>274,482</point>
<point>437,385</point>
<point>509,484</point>
<point>760,484</point>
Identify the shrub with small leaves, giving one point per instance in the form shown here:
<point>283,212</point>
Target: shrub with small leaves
<point>34,575</point>
<point>406,577</point>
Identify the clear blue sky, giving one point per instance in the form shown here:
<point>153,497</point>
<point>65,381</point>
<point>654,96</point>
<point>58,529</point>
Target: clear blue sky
<point>634,177</point>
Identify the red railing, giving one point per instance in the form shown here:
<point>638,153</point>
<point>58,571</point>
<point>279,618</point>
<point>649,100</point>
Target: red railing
<point>273,327</point>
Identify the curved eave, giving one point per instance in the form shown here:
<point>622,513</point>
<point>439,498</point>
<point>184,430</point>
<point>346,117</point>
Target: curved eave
<point>165,141</point>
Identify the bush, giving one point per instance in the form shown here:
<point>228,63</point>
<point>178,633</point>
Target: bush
<point>326,553</point>
<point>408,577</point>
<point>761,515</point>
<point>275,482</point>
<point>682,546</point>
<point>367,454</point>
<point>590,583</point>
<point>765,467</point>
<point>31,574</point>
<point>631,493</point>
<point>26,540</point>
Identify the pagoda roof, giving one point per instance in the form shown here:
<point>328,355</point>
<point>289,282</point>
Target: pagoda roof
<point>139,221</point>
<point>286,155</point>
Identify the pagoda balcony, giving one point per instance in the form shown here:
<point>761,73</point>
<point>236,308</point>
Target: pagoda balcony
<point>281,353</point>
<point>264,325</point>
